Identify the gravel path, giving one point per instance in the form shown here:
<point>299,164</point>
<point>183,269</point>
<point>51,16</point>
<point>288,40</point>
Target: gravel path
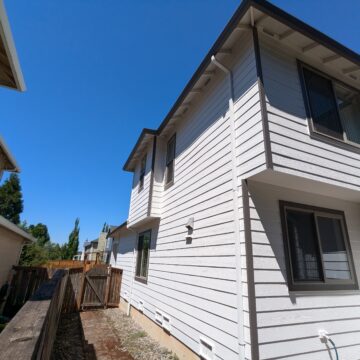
<point>135,340</point>
<point>105,335</point>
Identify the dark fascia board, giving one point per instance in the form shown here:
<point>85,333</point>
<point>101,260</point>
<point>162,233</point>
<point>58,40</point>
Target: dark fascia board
<point>123,225</point>
<point>305,29</point>
<point>272,11</point>
<point>144,132</point>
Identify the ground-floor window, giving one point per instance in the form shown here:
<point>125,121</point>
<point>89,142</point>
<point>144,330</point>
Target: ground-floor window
<point>317,248</point>
<point>142,261</point>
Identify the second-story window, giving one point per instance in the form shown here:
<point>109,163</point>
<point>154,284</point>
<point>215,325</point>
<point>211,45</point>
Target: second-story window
<point>334,107</point>
<point>170,161</point>
<point>142,173</point>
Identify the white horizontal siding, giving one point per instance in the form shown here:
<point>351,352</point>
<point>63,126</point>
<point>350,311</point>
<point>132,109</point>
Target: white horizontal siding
<point>195,283</point>
<point>293,150</point>
<point>139,201</point>
<point>288,324</point>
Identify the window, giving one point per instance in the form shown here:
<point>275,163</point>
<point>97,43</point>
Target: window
<point>334,108</point>
<point>142,173</point>
<point>142,261</point>
<point>170,159</point>
<point>317,248</point>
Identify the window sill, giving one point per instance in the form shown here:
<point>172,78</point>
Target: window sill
<point>169,185</point>
<point>317,289</point>
<point>335,142</point>
<point>141,280</point>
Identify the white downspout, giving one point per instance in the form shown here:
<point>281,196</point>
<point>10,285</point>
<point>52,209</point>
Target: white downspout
<point>132,272</point>
<point>236,209</point>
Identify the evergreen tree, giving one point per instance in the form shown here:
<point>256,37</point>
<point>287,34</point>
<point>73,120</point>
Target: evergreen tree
<point>73,243</point>
<point>11,201</point>
<point>40,232</point>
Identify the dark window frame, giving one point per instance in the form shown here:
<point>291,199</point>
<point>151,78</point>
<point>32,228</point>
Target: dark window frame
<point>344,143</point>
<point>168,162</point>
<point>142,172</point>
<point>326,284</point>
<point>142,279</point>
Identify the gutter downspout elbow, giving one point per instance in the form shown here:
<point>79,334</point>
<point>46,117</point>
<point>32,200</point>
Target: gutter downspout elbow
<point>241,337</point>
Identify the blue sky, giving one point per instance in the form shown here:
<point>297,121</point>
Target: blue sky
<point>97,72</point>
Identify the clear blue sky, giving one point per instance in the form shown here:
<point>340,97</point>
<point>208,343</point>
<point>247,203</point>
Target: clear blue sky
<point>97,72</point>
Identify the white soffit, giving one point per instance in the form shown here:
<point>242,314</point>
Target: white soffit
<point>10,71</point>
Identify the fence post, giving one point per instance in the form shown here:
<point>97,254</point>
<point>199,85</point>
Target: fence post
<point>108,279</point>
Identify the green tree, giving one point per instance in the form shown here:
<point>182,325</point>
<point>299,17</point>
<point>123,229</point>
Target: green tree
<point>33,255</point>
<point>40,232</point>
<point>73,243</point>
<point>11,200</point>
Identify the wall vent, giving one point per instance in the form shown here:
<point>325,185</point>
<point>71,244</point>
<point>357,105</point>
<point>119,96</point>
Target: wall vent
<point>206,350</point>
<point>166,323</point>
<point>141,306</point>
<point>158,317</point>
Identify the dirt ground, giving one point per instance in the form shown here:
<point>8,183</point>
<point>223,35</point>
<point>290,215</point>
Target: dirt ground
<point>104,335</point>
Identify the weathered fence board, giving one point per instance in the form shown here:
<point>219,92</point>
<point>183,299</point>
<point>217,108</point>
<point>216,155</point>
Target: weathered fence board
<point>72,297</point>
<point>31,333</point>
<point>25,281</point>
<point>114,287</point>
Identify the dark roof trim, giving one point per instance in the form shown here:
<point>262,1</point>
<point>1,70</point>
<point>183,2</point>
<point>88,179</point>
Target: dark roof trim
<point>123,225</point>
<point>307,30</point>
<point>144,132</point>
<point>271,10</point>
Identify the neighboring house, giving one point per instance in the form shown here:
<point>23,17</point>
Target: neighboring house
<point>96,249</point>
<point>12,238</point>
<point>243,234</point>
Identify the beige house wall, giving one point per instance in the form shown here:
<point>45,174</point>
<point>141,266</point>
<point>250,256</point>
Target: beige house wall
<point>10,249</point>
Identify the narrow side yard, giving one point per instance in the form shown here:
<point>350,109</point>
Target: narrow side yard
<point>105,334</point>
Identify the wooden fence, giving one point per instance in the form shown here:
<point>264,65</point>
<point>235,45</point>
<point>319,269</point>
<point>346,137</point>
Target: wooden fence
<point>25,281</point>
<point>31,333</point>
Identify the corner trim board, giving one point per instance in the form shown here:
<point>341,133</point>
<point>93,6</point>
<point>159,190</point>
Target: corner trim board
<point>152,175</point>
<point>250,273</point>
<point>264,113</point>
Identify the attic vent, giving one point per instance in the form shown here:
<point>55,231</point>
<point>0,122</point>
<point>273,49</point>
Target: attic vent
<point>141,306</point>
<point>206,351</point>
<point>158,317</point>
<point>166,323</point>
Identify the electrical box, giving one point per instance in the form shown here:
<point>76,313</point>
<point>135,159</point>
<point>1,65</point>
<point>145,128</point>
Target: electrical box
<point>141,306</point>
<point>126,295</point>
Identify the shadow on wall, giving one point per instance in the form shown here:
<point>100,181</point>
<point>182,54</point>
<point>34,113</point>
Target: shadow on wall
<point>282,81</point>
<point>267,235</point>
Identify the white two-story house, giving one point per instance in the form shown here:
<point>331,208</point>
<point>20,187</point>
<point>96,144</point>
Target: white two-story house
<point>243,235</point>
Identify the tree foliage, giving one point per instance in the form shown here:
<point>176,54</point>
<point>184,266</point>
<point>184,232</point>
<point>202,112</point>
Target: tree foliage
<point>42,250</point>
<point>72,246</point>
<point>40,232</point>
<point>11,200</point>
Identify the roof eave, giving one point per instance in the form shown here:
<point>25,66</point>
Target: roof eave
<point>7,38</point>
<point>144,132</point>
<point>16,229</point>
<point>10,158</point>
